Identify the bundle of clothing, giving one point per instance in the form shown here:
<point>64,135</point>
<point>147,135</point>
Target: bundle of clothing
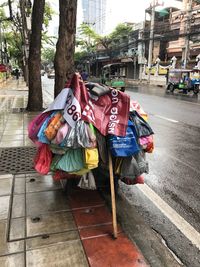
<point>84,121</point>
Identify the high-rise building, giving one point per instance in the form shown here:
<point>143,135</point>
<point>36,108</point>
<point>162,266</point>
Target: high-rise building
<point>94,14</point>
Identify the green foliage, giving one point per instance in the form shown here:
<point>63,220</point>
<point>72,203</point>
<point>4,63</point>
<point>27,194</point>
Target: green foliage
<point>14,46</point>
<point>120,31</point>
<point>48,13</point>
<point>48,55</point>
<point>87,37</point>
<point>80,56</point>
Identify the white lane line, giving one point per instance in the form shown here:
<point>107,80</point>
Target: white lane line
<point>172,215</point>
<point>167,119</point>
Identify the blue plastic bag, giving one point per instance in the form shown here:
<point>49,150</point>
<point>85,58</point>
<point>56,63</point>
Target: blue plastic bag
<point>124,146</point>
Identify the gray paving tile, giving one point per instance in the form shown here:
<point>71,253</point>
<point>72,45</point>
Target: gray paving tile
<point>12,138</point>
<point>8,247</point>
<point>14,125</point>
<point>47,240</point>
<point>11,144</point>
<point>18,206</point>
<point>35,174</point>
<point>20,176</point>
<point>17,228</point>
<point>63,255</point>
<point>43,202</point>
<point>16,260</point>
<point>28,143</point>
<point>41,183</point>
<point>51,223</point>
<point>4,207</point>
<point>13,131</point>
<point>19,187</point>
<point>5,186</point>
<point>3,176</point>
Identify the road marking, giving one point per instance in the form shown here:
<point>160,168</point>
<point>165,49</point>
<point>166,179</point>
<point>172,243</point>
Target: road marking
<point>172,215</point>
<point>167,119</point>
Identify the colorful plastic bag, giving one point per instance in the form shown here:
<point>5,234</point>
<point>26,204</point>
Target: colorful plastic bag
<point>124,146</point>
<point>91,158</point>
<point>132,167</point>
<point>142,127</point>
<point>43,159</point>
<point>87,181</point>
<point>35,125</point>
<point>61,134</point>
<point>41,134</point>
<point>54,125</point>
<point>72,161</point>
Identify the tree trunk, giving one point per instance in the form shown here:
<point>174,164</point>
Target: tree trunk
<point>25,38</point>
<point>65,47</point>
<point>35,100</point>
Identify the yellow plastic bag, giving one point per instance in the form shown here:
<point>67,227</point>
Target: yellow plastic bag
<point>91,158</point>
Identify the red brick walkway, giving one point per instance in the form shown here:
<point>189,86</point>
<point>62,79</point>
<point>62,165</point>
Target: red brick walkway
<point>94,223</point>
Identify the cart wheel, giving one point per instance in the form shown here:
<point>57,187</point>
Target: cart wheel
<point>171,88</point>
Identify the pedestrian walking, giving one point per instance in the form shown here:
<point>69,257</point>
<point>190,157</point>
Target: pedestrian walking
<point>17,73</point>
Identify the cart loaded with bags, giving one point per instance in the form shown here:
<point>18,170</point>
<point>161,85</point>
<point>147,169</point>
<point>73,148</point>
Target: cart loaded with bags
<point>92,127</point>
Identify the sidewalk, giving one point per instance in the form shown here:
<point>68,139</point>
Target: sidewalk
<point>43,225</point>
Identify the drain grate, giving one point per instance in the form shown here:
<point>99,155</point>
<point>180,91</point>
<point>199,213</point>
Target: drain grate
<point>17,160</point>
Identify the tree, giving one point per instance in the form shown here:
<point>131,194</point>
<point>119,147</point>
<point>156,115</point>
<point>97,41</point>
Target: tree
<point>35,100</point>
<point>89,40</point>
<point>65,47</point>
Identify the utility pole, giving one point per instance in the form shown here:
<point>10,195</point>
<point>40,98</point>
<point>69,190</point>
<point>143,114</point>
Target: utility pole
<point>151,39</point>
<point>186,53</point>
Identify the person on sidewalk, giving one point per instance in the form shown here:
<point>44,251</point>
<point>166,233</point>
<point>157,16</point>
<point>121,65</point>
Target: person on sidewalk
<point>84,75</point>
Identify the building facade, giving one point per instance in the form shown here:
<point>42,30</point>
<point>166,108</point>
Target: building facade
<point>94,14</point>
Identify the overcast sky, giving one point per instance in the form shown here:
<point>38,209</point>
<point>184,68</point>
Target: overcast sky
<point>116,12</point>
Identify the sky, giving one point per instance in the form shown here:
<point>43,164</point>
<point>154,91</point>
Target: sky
<point>124,11</point>
<point>130,11</point>
<point>117,12</point>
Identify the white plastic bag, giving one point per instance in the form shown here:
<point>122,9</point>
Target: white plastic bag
<point>87,181</point>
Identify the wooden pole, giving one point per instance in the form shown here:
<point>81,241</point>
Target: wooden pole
<point>113,201</point>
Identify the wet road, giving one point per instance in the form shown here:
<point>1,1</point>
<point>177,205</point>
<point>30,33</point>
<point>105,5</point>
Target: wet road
<point>174,170</point>
<point>170,201</point>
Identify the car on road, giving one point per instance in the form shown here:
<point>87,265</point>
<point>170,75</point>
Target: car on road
<point>51,74</point>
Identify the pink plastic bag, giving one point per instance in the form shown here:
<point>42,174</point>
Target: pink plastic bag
<point>43,159</point>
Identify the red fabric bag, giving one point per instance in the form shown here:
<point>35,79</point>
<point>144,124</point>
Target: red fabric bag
<point>43,159</point>
<point>109,113</point>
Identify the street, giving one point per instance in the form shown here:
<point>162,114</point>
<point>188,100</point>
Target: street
<point>174,171</point>
<point>169,200</point>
